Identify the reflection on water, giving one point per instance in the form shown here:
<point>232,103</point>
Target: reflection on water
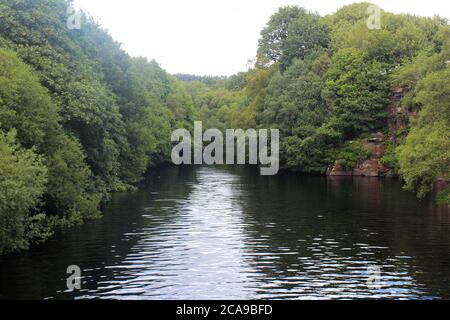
<point>228,233</point>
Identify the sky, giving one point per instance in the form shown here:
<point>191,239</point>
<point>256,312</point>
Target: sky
<point>212,37</point>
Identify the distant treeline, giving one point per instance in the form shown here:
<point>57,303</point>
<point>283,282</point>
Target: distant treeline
<point>211,80</point>
<point>327,82</point>
<point>80,118</point>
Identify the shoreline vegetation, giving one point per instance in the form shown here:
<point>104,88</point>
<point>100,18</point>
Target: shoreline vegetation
<point>80,118</point>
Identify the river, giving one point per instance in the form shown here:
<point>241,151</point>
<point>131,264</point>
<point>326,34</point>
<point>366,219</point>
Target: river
<point>229,233</point>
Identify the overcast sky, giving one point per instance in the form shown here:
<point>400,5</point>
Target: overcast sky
<point>212,37</point>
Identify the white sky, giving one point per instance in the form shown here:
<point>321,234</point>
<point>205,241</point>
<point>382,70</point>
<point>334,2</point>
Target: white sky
<point>212,37</point>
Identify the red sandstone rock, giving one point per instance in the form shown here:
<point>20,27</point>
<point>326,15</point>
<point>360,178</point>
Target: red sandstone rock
<point>337,170</point>
<point>370,168</point>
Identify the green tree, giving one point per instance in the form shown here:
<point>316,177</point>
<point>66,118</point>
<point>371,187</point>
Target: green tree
<point>276,32</point>
<point>425,156</point>
<point>26,107</point>
<point>23,178</point>
<point>358,92</point>
<point>292,33</point>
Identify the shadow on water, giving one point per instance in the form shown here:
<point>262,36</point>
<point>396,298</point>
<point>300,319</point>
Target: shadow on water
<point>41,272</point>
<point>229,233</point>
<point>321,234</point>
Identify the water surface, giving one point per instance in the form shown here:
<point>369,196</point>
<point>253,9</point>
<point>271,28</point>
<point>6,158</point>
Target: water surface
<point>228,233</point>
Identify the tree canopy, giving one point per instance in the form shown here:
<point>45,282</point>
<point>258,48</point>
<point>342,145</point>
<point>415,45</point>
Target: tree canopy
<point>95,118</point>
<point>80,118</point>
<point>327,83</point>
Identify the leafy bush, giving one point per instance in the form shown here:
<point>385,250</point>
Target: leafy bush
<point>351,153</point>
<point>425,157</point>
<point>390,158</point>
<point>23,178</point>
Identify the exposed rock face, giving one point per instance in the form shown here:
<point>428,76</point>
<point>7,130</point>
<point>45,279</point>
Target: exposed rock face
<point>399,115</point>
<point>370,168</point>
<point>367,168</point>
<point>373,167</point>
<point>337,170</point>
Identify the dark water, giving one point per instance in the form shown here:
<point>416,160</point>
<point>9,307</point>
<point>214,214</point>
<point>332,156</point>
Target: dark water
<point>228,233</point>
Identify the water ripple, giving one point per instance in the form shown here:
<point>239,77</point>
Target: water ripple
<point>219,234</point>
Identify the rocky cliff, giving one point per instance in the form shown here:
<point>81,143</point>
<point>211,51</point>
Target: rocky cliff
<point>399,116</point>
<point>372,167</point>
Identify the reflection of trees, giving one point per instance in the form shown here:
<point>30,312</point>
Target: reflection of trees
<point>297,236</point>
<point>407,226</point>
<point>329,227</point>
<point>40,272</point>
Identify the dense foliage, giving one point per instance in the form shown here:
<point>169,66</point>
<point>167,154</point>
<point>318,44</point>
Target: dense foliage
<point>79,118</point>
<point>23,177</point>
<point>327,83</point>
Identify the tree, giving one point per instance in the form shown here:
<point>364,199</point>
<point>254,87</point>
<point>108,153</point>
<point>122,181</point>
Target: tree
<point>276,32</point>
<point>294,101</point>
<point>23,178</point>
<point>291,33</point>
<point>26,107</point>
<point>357,91</point>
<point>425,156</point>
